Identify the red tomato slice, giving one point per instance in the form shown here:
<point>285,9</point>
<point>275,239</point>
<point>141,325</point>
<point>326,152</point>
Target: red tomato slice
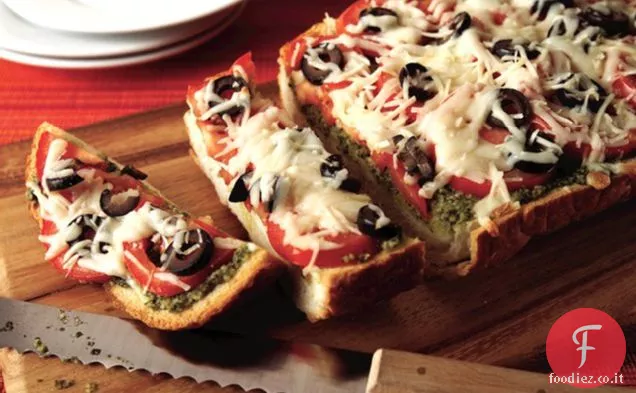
<point>75,272</point>
<point>626,150</point>
<point>351,15</point>
<point>625,87</point>
<point>297,47</point>
<point>351,244</point>
<point>43,150</point>
<point>496,136</point>
<point>248,66</point>
<point>143,270</point>
<point>498,17</point>
<point>515,180</point>
<point>409,191</point>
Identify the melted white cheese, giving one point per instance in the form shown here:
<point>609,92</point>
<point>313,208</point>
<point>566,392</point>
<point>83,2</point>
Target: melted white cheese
<point>110,235</point>
<point>284,161</point>
<point>465,74</point>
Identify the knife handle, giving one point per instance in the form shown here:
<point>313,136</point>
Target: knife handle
<point>404,372</point>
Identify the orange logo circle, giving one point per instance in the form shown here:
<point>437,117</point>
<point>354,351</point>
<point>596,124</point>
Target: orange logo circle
<point>586,348</point>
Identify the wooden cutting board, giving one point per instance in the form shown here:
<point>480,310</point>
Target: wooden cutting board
<point>500,316</point>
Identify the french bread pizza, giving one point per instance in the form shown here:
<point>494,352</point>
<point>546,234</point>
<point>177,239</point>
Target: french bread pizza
<point>475,124</point>
<point>101,223</point>
<point>296,199</point>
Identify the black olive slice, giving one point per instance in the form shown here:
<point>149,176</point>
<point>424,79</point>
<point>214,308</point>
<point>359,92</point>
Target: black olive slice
<point>575,90</point>
<point>506,48</point>
<point>133,172</point>
<point>456,26</point>
<point>57,183</point>
<point>613,23</point>
<point>189,252</point>
<point>419,81</point>
<point>331,166</point>
<point>373,63</point>
<point>377,11</point>
<point>514,103</point>
<point>557,29</point>
<point>110,166</point>
<point>61,183</point>
<point>327,53</point>
<point>117,207</point>
<point>415,160</point>
<point>541,7</point>
<point>397,139</point>
<point>533,145</point>
<point>351,185</point>
<point>82,227</point>
<point>240,192</point>
<point>367,221</point>
<point>221,87</point>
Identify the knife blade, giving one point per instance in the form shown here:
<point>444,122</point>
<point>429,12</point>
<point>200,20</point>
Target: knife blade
<point>226,359</point>
<point>249,362</point>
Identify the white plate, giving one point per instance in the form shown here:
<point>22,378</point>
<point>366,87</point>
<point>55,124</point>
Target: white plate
<point>162,53</point>
<point>18,35</point>
<point>114,16</point>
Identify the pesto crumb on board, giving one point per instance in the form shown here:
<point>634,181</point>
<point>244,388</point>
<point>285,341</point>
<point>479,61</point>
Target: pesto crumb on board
<point>40,347</point>
<point>185,300</point>
<point>91,387</point>
<point>8,327</point>
<point>62,384</point>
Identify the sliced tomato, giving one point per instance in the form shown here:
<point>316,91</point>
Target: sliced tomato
<point>43,150</point>
<point>75,271</point>
<point>626,150</point>
<point>294,54</point>
<point>143,270</point>
<point>624,86</point>
<point>515,180</point>
<point>496,136</point>
<point>498,17</point>
<point>246,62</point>
<point>352,243</point>
<point>351,15</point>
<point>409,191</point>
<point>337,85</point>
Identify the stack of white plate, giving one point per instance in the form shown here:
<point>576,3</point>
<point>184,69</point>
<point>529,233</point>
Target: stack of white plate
<point>108,33</point>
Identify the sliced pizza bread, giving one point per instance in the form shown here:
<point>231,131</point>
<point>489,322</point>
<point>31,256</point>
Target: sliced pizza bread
<point>296,199</point>
<point>102,223</point>
<point>469,135</point>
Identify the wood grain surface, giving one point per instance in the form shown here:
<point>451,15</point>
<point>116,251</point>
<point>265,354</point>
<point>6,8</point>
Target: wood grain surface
<point>499,316</point>
<point>404,372</point>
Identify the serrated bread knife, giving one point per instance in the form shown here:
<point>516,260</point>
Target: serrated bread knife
<point>252,363</point>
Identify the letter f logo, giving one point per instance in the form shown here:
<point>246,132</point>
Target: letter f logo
<point>583,343</point>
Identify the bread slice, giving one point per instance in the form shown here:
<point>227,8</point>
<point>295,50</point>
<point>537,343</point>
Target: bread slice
<point>321,292</point>
<point>471,245</point>
<point>257,269</point>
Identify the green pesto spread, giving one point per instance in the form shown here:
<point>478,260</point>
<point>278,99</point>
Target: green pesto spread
<point>526,195</point>
<point>185,300</point>
<point>448,207</point>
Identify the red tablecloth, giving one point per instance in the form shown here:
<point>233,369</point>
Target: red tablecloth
<point>71,98</point>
